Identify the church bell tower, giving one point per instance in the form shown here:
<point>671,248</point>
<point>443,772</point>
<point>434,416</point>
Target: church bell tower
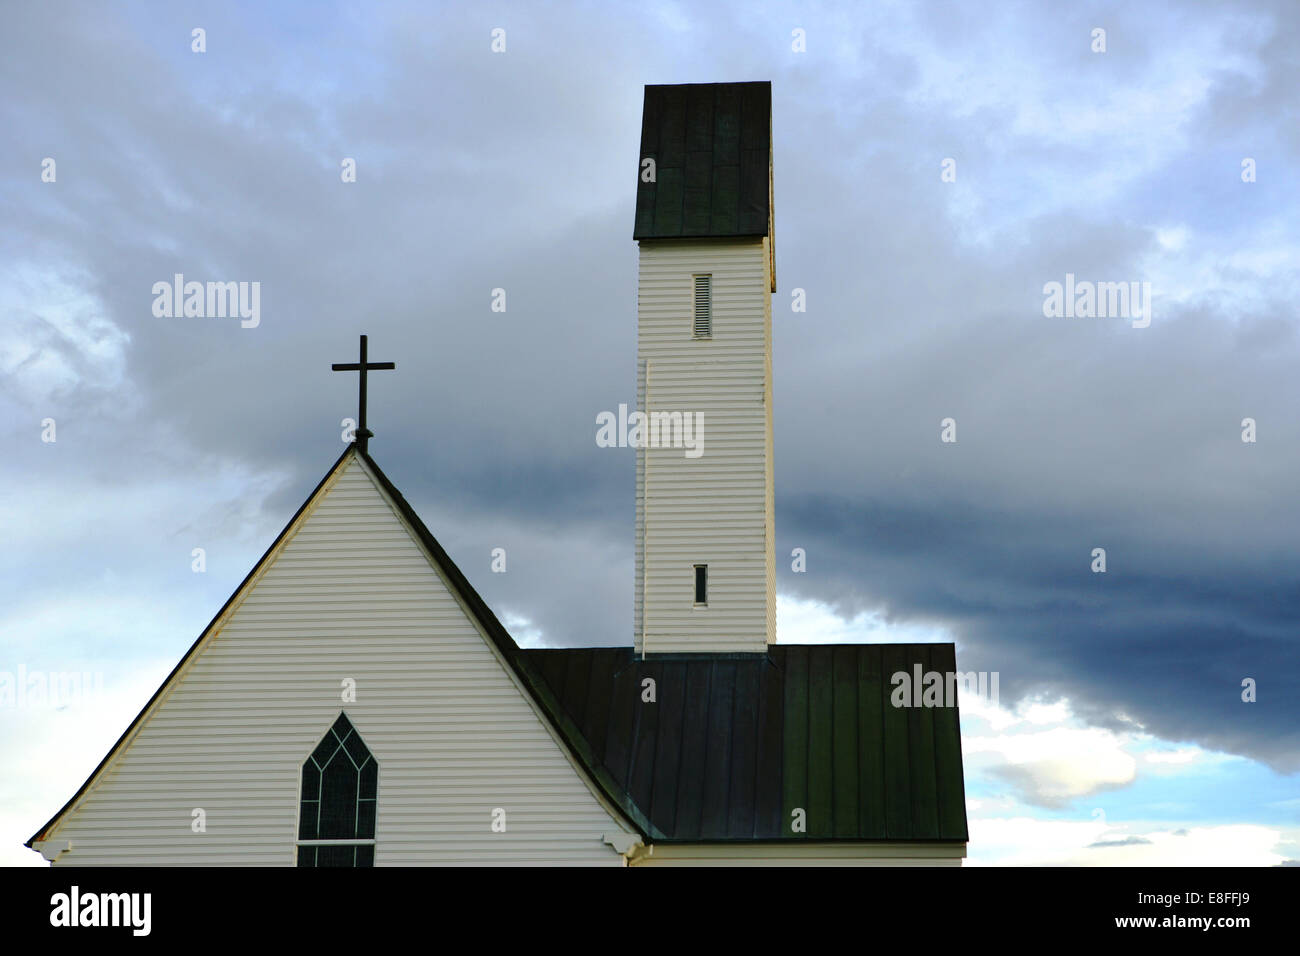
<point>705,548</point>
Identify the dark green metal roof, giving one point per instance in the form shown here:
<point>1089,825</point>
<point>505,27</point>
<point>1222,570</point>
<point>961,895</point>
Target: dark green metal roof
<point>712,147</point>
<point>733,744</point>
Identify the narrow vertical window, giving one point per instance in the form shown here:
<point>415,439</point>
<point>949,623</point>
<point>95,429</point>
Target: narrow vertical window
<point>704,307</point>
<point>701,585</point>
<point>336,817</point>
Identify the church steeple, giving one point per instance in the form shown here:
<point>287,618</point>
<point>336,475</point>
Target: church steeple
<point>709,175</point>
<point>705,546</point>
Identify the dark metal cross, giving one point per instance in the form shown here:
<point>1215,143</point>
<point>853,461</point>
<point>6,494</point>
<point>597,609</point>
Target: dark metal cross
<point>362,433</point>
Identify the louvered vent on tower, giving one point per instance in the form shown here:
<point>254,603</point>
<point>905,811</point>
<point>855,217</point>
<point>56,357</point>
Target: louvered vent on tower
<point>703,307</point>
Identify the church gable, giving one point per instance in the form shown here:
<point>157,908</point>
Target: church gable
<point>347,613</point>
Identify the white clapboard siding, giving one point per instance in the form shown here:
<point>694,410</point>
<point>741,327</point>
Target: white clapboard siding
<point>350,594</point>
<point>716,509</point>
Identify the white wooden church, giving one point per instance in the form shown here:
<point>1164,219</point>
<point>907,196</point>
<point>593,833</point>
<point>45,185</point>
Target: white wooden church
<point>356,703</point>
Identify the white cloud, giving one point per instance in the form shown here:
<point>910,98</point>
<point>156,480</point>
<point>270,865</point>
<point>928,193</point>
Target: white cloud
<point>1048,757</point>
<point>1023,841</point>
<point>806,621</point>
<point>1053,767</point>
<point>58,335</point>
<point>523,630</point>
<point>50,753</point>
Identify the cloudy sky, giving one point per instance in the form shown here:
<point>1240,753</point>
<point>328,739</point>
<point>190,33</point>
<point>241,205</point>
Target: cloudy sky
<point>1120,735</point>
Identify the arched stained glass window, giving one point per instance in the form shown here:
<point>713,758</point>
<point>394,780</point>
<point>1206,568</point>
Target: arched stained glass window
<point>340,783</point>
